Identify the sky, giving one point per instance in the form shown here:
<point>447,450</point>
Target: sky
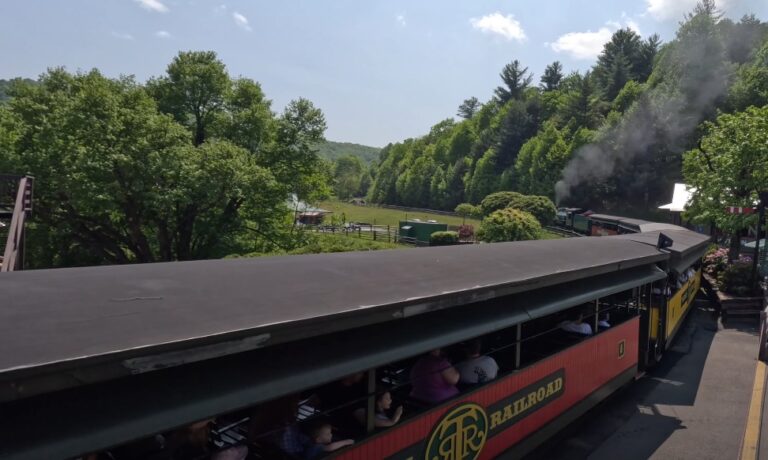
<point>381,71</point>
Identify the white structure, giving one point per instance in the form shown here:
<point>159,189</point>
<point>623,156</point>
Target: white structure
<point>680,198</point>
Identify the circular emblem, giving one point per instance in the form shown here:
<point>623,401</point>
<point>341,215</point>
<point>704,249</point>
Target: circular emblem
<point>459,435</point>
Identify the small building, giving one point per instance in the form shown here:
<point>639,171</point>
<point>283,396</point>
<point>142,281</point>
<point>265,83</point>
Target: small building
<point>304,213</point>
<point>420,231</point>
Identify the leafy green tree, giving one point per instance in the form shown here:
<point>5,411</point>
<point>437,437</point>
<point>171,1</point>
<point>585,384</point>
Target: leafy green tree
<point>580,108</point>
<point>437,189</point>
<point>498,200</point>
<point>193,91</point>
<point>516,80</point>
<point>292,157</point>
<point>729,168</point>
<point>540,207</point>
<point>553,75</point>
<point>628,95</point>
<point>347,174</point>
<point>469,210</point>
<point>484,179</point>
<point>246,118</point>
<point>460,142</point>
<point>469,107</point>
<point>119,182</point>
<point>454,182</point>
<point>509,225</point>
<point>541,161</point>
<point>751,85</point>
<point>517,124</point>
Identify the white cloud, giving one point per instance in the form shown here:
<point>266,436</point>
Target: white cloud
<point>401,20</point>
<point>588,45</point>
<point>153,5</point>
<point>241,21</point>
<point>495,23</point>
<point>582,45</point>
<point>664,10</point>
<point>122,36</point>
<point>162,34</point>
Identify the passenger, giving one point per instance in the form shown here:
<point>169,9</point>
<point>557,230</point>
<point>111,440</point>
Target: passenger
<point>322,441</point>
<point>382,418</point>
<point>433,378</point>
<point>603,322</point>
<point>576,325</point>
<point>476,368</point>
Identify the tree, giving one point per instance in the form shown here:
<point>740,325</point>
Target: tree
<point>729,168</point>
<point>496,201</point>
<point>292,157</point>
<point>539,207</point>
<point>347,174</point>
<point>509,225</point>
<point>580,106</point>
<point>541,161</point>
<point>468,108</point>
<point>469,210</point>
<point>119,182</point>
<point>245,118</point>
<point>516,80</point>
<point>193,91</point>
<point>553,75</point>
<point>751,85</point>
<point>484,179</point>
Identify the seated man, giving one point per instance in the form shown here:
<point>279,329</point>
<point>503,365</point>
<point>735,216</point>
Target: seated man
<point>576,325</point>
<point>476,368</point>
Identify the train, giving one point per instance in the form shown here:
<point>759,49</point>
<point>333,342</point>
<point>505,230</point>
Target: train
<point>206,358</point>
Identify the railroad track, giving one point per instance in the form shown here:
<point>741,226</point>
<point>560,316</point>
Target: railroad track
<point>562,231</point>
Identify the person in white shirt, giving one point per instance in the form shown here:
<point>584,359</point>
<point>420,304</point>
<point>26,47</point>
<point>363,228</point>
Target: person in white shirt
<point>577,325</point>
<point>476,368</point>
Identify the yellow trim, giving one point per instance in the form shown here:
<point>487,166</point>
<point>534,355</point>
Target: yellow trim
<point>754,418</point>
<point>678,304</point>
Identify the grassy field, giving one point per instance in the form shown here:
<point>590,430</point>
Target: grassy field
<point>384,216</point>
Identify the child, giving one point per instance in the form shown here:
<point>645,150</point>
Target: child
<point>322,439</point>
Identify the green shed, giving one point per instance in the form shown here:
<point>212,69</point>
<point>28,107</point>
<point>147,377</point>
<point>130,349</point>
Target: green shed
<point>420,230</point>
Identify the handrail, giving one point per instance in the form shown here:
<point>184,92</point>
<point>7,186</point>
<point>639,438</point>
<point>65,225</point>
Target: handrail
<point>13,255</point>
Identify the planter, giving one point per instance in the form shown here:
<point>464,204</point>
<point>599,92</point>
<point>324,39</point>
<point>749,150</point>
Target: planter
<point>731,305</point>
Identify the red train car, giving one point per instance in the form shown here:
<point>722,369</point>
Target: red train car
<point>509,415</point>
<point>134,355</point>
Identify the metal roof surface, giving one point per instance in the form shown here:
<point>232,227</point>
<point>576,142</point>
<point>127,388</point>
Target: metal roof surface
<point>64,318</point>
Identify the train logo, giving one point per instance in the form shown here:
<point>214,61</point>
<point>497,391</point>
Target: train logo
<point>459,435</point>
<point>622,348</point>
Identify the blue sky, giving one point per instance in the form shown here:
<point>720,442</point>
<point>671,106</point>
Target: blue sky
<point>381,71</point>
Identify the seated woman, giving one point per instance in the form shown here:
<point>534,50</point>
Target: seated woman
<point>433,378</point>
<point>576,325</point>
<point>382,407</point>
<point>476,368</point>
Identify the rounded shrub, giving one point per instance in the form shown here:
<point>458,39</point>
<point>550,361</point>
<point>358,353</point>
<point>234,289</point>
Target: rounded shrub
<point>443,238</point>
<point>469,210</point>
<point>496,201</point>
<point>542,208</point>
<point>509,225</point>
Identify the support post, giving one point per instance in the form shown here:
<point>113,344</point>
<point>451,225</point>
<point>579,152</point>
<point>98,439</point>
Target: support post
<point>370,409</point>
<point>518,343</point>
<point>756,256</point>
<point>597,315</point>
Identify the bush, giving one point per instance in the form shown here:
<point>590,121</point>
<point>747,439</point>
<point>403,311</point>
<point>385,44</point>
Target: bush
<point>443,238</point>
<point>736,279</point>
<point>715,260</point>
<point>466,232</point>
<point>496,201</point>
<point>509,225</point>
<point>469,210</point>
<point>542,208</point>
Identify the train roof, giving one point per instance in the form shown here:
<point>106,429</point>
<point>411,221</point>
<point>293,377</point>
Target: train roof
<point>687,246</point>
<point>109,321</point>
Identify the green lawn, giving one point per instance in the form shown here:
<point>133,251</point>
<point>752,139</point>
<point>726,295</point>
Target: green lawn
<point>383,216</point>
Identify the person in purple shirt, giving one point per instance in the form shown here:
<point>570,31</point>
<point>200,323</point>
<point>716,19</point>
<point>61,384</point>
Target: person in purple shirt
<point>433,378</point>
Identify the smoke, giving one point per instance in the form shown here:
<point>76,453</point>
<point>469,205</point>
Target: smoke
<point>695,77</point>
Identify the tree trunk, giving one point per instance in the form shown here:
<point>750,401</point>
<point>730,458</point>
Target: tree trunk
<point>733,250</point>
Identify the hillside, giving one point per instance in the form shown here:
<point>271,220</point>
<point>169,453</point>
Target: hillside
<point>610,138</point>
<point>333,150</point>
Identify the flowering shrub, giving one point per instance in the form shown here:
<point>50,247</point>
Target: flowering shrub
<point>466,232</point>
<point>443,238</point>
<point>715,261</point>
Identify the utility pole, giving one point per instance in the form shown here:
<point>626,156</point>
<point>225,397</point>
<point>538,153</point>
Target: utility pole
<point>760,216</point>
